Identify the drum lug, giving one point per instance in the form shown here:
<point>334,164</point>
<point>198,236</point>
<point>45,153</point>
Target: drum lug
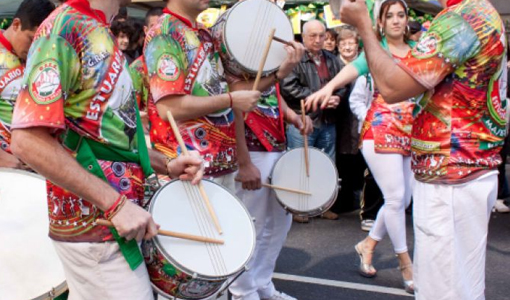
<point>270,179</point>
<point>254,220</point>
<point>194,276</point>
<point>52,293</point>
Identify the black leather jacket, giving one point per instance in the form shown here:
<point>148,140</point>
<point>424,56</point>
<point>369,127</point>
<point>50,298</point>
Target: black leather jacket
<point>304,81</point>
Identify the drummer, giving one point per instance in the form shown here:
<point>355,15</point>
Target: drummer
<point>76,113</point>
<point>186,78</point>
<point>14,44</point>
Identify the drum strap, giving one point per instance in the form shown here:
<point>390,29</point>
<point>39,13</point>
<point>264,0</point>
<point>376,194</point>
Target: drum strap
<point>89,151</point>
<point>203,52</point>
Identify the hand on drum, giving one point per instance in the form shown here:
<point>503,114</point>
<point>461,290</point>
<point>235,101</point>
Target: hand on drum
<point>249,176</point>
<point>245,101</point>
<point>294,55</point>
<point>320,97</point>
<point>133,222</point>
<point>187,167</point>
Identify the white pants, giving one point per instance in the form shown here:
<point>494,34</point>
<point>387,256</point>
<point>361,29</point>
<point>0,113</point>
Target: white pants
<point>227,181</point>
<point>272,223</point>
<point>100,271</point>
<point>450,227</point>
<point>393,175</point>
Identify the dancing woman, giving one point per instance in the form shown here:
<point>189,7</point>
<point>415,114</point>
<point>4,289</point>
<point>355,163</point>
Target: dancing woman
<point>385,144</point>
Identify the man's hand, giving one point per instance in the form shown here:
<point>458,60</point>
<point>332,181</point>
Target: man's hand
<point>294,55</point>
<point>249,176</point>
<point>297,121</point>
<point>187,167</point>
<point>245,101</point>
<point>355,13</point>
<point>321,97</point>
<point>11,162</point>
<point>133,222</point>
<point>332,103</point>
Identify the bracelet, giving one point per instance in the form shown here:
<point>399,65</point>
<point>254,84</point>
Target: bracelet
<point>115,208</point>
<point>168,160</point>
<point>231,100</point>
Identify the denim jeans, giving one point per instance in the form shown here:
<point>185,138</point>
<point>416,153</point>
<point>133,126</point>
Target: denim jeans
<point>323,137</point>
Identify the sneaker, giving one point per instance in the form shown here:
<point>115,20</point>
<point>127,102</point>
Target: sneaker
<point>280,296</point>
<point>367,224</point>
<point>301,219</point>
<point>500,207</point>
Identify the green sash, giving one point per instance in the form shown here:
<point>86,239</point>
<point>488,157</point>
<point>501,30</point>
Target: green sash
<point>89,151</point>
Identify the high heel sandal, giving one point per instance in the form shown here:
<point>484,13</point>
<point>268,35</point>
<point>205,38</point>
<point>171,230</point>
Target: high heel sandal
<point>365,270</point>
<point>408,284</point>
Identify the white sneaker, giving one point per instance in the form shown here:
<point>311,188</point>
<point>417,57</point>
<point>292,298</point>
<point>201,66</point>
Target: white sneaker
<point>500,207</point>
<point>280,296</point>
<point>367,224</point>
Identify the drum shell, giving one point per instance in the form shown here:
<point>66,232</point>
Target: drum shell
<point>169,277</point>
<point>327,202</point>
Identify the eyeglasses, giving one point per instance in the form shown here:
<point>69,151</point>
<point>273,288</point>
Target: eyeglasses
<point>345,44</point>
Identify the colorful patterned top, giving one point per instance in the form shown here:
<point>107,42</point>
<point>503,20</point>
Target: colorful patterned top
<point>265,129</point>
<point>181,60</point>
<point>460,123</point>
<point>138,70</point>
<point>76,77</point>
<point>11,74</point>
<point>388,125</point>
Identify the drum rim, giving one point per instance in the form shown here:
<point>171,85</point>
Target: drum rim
<point>55,292</point>
<point>314,212</point>
<point>253,72</point>
<point>176,264</point>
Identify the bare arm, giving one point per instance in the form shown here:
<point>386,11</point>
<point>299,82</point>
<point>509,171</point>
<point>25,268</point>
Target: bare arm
<point>9,161</point>
<point>249,174</point>
<point>393,83</point>
<point>347,75</point>
<point>188,107</point>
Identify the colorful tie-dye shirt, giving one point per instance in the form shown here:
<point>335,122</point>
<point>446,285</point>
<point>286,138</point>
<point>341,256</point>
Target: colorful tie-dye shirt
<point>76,77</point>
<point>11,74</point>
<point>181,60</point>
<point>460,122</point>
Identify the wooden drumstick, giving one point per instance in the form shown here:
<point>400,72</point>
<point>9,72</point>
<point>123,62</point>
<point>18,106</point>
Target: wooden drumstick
<point>184,150</point>
<point>262,64</point>
<point>305,138</point>
<point>279,40</point>
<point>173,234</point>
<point>277,187</point>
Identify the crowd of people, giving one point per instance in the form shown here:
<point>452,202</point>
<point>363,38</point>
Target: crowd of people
<point>406,113</point>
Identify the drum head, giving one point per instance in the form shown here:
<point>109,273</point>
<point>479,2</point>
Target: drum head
<point>247,30</point>
<point>178,207</point>
<point>290,172</point>
<point>29,264</point>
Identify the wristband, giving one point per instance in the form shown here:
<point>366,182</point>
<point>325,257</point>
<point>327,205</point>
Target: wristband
<point>168,160</point>
<point>231,100</point>
<point>115,208</point>
<point>275,75</point>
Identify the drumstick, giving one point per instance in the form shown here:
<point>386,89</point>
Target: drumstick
<point>305,138</point>
<point>174,234</point>
<point>262,64</point>
<point>282,41</point>
<point>184,150</point>
<point>276,187</point>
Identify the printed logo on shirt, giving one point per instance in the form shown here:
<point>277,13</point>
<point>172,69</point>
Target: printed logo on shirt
<point>44,83</point>
<point>167,68</point>
<point>428,46</point>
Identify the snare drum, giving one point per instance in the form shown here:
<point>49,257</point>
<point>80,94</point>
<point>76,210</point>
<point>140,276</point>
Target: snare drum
<point>241,35</point>
<point>29,265</point>
<point>194,270</point>
<point>290,171</point>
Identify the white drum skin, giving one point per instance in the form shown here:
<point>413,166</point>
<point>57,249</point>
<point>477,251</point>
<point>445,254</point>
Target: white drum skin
<point>241,35</point>
<point>194,270</point>
<point>290,172</point>
<point>30,267</point>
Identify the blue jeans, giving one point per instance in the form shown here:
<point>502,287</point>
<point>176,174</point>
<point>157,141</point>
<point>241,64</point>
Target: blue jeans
<point>323,137</point>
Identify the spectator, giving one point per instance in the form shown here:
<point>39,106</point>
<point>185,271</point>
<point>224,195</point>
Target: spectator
<point>330,43</point>
<point>123,31</point>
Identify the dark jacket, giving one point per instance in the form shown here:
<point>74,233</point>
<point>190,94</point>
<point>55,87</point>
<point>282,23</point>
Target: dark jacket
<point>304,81</point>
